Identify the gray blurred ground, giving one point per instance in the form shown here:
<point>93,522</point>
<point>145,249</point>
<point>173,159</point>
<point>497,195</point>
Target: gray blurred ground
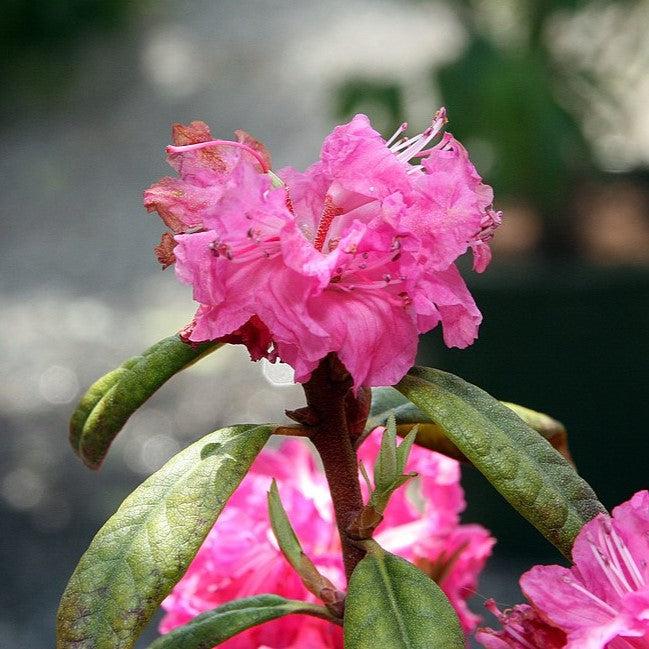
<point>80,289</point>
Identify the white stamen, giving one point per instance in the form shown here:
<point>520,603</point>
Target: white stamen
<point>395,148</point>
<point>417,145</point>
<point>414,169</point>
<point>397,133</point>
<point>381,283</point>
<point>263,248</point>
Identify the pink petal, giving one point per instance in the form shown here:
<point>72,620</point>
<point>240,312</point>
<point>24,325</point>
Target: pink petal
<point>553,592</point>
<point>443,296</point>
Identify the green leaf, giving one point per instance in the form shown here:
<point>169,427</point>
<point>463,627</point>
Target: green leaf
<point>536,480</point>
<point>393,605</point>
<point>282,528</point>
<point>389,467</point>
<point>290,546</point>
<point>211,628</point>
<point>403,450</point>
<point>110,401</point>
<point>388,401</point>
<point>385,467</point>
<point>145,547</point>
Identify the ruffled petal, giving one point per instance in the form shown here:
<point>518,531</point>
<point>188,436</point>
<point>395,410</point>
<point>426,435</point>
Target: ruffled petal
<point>354,256</point>
<point>443,296</point>
<point>180,204</point>
<point>355,156</point>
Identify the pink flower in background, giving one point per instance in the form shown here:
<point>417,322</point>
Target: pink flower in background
<point>522,628</point>
<point>240,556</point>
<point>356,255</point>
<point>603,600</point>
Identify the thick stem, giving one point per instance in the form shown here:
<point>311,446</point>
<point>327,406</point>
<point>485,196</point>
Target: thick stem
<point>326,394</point>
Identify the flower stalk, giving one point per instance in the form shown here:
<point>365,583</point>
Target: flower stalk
<point>328,395</point>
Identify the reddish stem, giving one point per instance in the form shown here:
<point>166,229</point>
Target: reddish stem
<point>327,395</point>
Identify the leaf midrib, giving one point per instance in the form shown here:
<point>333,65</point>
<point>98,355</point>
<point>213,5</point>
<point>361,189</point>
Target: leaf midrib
<point>104,619</point>
<point>385,578</point>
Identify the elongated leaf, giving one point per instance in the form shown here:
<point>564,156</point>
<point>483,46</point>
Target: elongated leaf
<point>519,462</point>
<point>211,628</point>
<point>554,431</point>
<point>110,401</point>
<point>283,530</point>
<point>291,548</point>
<point>393,605</point>
<point>387,401</point>
<point>144,549</point>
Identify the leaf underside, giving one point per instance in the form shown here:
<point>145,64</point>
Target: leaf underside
<point>391,604</point>
<point>532,476</point>
<point>146,546</point>
<point>112,399</point>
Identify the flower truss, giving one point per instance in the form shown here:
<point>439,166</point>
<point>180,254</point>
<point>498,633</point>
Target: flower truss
<point>240,557</point>
<point>602,601</point>
<point>356,255</point>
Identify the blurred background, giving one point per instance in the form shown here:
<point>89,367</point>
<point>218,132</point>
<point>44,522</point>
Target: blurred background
<point>549,96</point>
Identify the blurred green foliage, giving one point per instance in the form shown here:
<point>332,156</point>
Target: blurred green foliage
<point>504,105</point>
<point>39,37</point>
<point>502,97</point>
<point>39,25</point>
<point>370,96</point>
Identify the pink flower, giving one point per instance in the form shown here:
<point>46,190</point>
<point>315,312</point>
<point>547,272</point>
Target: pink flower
<point>602,601</point>
<point>240,556</point>
<point>523,628</point>
<point>356,255</point>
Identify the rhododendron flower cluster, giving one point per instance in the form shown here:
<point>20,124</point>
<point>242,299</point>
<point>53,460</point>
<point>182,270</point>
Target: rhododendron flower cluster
<point>356,255</point>
<point>601,602</point>
<point>240,557</point>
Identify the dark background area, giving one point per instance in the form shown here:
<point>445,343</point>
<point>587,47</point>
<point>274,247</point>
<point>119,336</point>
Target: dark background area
<point>550,98</point>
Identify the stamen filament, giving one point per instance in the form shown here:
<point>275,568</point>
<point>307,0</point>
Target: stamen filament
<point>579,588</point>
<point>616,563</point>
<point>607,569</point>
<point>395,148</point>
<point>629,562</point>
<point>397,133</point>
<point>438,122</point>
<point>518,637</point>
<point>414,169</point>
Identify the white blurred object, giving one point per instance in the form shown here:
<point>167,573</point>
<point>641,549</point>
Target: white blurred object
<point>22,488</point>
<point>277,373</point>
<point>58,384</point>
<point>171,61</point>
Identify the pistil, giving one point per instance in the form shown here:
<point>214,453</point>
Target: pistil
<point>204,145</point>
<point>329,213</point>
